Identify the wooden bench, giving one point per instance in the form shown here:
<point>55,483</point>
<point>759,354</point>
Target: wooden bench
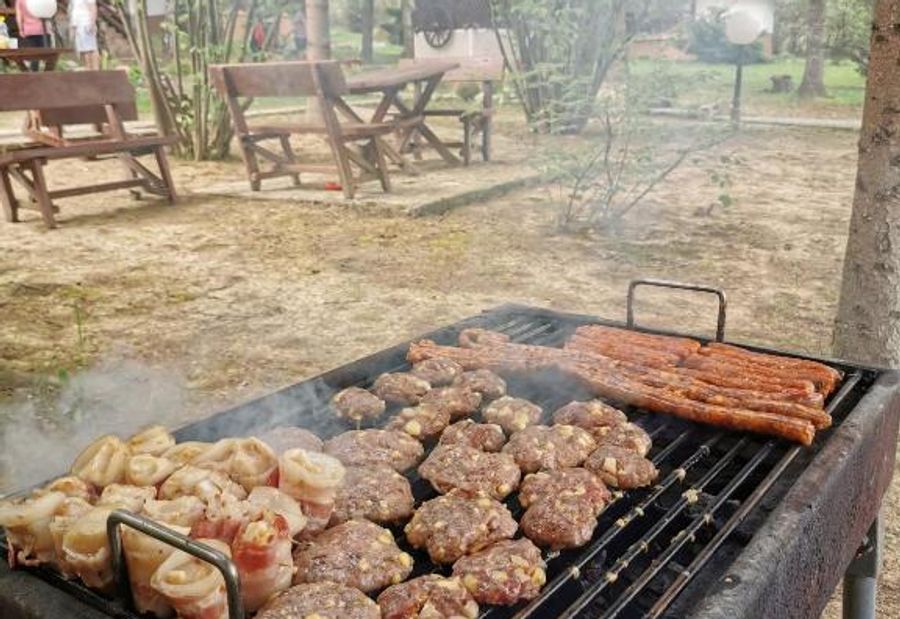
<point>485,71</point>
<point>55,100</point>
<point>352,143</point>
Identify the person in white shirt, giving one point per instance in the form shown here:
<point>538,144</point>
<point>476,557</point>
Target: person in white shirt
<point>83,22</point>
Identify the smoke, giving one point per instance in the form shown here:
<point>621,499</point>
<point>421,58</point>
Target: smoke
<point>39,439</point>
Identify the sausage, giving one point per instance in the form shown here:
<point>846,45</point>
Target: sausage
<point>681,346</point>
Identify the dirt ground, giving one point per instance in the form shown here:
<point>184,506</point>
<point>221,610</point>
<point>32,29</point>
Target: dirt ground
<point>240,298</point>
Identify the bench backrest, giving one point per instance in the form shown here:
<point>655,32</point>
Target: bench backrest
<point>69,98</point>
<point>280,79</point>
<point>471,69</point>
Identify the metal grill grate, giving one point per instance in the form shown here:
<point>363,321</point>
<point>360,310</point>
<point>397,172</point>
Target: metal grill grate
<point>651,544</point>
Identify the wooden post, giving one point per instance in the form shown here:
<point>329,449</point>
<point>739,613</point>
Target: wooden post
<point>407,23</point>
<point>318,47</point>
<point>368,30</point>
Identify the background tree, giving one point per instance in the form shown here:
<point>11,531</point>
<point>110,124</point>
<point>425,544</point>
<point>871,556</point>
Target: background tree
<point>367,24</point>
<point>867,328</point>
<point>406,21</point>
<point>813,84</point>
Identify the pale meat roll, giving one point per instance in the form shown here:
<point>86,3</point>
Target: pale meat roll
<point>124,496</point>
<point>253,464</point>
<point>143,556</point>
<point>313,479</point>
<point>202,483</point>
<point>224,517</point>
<point>218,456</point>
<point>262,554</point>
<point>185,511</point>
<point>71,510</point>
<point>86,549</point>
<point>70,486</point>
<point>102,462</point>
<point>147,470</point>
<point>185,453</point>
<point>27,524</point>
<point>194,588</point>
<point>153,441</point>
<point>282,504</point>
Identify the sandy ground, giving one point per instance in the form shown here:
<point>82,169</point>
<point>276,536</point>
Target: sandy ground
<point>241,297</point>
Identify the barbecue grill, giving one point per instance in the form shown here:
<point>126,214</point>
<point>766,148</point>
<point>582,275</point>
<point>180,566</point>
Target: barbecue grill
<point>737,525</point>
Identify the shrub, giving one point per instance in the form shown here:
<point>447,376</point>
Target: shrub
<point>709,44</point>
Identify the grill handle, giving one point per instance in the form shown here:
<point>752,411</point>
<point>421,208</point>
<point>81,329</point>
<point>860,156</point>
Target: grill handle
<point>661,283</point>
<point>201,551</point>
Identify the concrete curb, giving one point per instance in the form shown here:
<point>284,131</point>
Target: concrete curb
<point>444,205</point>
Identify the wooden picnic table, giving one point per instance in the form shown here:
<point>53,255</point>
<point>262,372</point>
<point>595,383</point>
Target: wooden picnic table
<point>390,82</point>
<point>24,55</point>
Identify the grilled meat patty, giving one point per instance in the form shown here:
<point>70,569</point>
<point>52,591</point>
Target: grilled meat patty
<point>558,523</point>
<point>428,597</point>
<point>472,470</point>
<point>595,416</point>
<point>564,483</point>
<point>485,382</point>
<point>372,447</point>
<point>357,553</point>
<point>323,600</point>
<point>421,422</point>
<point>377,493</point>
<point>504,573</point>
<point>459,523</point>
<point>512,414</point>
<point>457,401</point>
<point>549,447</point>
<point>437,372</point>
<point>400,388</point>
<point>483,436</point>
<point>357,404</point>
<point>630,436</point>
<point>619,467</point>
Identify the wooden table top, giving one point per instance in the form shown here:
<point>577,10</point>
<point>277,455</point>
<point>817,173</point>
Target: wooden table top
<point>395,77</point>
<point>33,53</point>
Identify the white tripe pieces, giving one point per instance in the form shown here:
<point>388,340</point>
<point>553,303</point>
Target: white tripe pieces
<point>153,441</point>
<point>143,555</point>
<point>102,462</point>
<point>27,524</point>
<point>313,479</point>
<point>191,586</point>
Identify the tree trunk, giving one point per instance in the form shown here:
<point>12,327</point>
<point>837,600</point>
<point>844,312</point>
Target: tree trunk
<point>318,35</point>
<point>813,84</point>
<point>407,26</point>
<point>867,328</point>
<point>368,29</point>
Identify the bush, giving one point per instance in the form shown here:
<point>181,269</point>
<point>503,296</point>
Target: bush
<point>709,44</point>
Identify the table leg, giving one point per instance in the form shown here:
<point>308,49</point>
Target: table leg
<point>41,194</point>
<point>8,198</point>
<point>487,106</point>
<point>861,577</point>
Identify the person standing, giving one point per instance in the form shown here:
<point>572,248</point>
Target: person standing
<point>31,30</point>
<point>83,22</point>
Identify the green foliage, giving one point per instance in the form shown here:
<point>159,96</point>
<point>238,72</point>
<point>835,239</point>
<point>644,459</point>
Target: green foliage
<point>709,43</point>
<point>848,22</point>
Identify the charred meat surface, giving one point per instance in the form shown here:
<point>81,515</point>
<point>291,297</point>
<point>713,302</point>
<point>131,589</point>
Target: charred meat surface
<point>630,436</point>
<point>457,401</point>
<point>549,447</point>
<point>372,447</point>
<point>357,404</point>
<point>558,523</point>
<point>421,422</point>
<point>485,382</point>
<point>564,483</point>
<point>504,573</point>
<point>428,597</point>
<point>357,553</point>
<point>594,416</point>
<point>457,524</point>
<point>376,493</point>
<point>483,436</point>
<point>283,438</point>
<point>619,467</point>
<point>472,470</point>
<point>400,388</point>
<point>323,600</point>
<point>437,372</point>
<point>512,414</point>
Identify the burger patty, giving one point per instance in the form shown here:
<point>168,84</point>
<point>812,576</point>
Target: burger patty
<point>372,447</point>
<point>400,388</point>
<point>472,470</point>
<point>376,493</point>
<point>357,553</point>
<point>595,416</point>
<point>512,414</point>
<point>549,447</point>
<point>421,422</point>
<point>457,524</point>
<point>437,371</point>
<point>483,436</point>
<point>428,597</point>
<point>558,522</point>
<point>621,468</point>
<point>504,573</point>
<point>457,401</point>
<point>630,436</point>
<point>323,600</point>
<point>564,483</point>
<point>485,382</point>
<point>357,404</point>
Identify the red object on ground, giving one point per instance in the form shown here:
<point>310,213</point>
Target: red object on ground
<point>332,186</point>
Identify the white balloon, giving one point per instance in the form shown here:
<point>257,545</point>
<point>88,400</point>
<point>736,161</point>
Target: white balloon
<point>743,26</point>
<point>42,9</point>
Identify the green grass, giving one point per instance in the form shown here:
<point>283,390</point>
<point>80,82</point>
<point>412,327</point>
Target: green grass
<point>698,83</point>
